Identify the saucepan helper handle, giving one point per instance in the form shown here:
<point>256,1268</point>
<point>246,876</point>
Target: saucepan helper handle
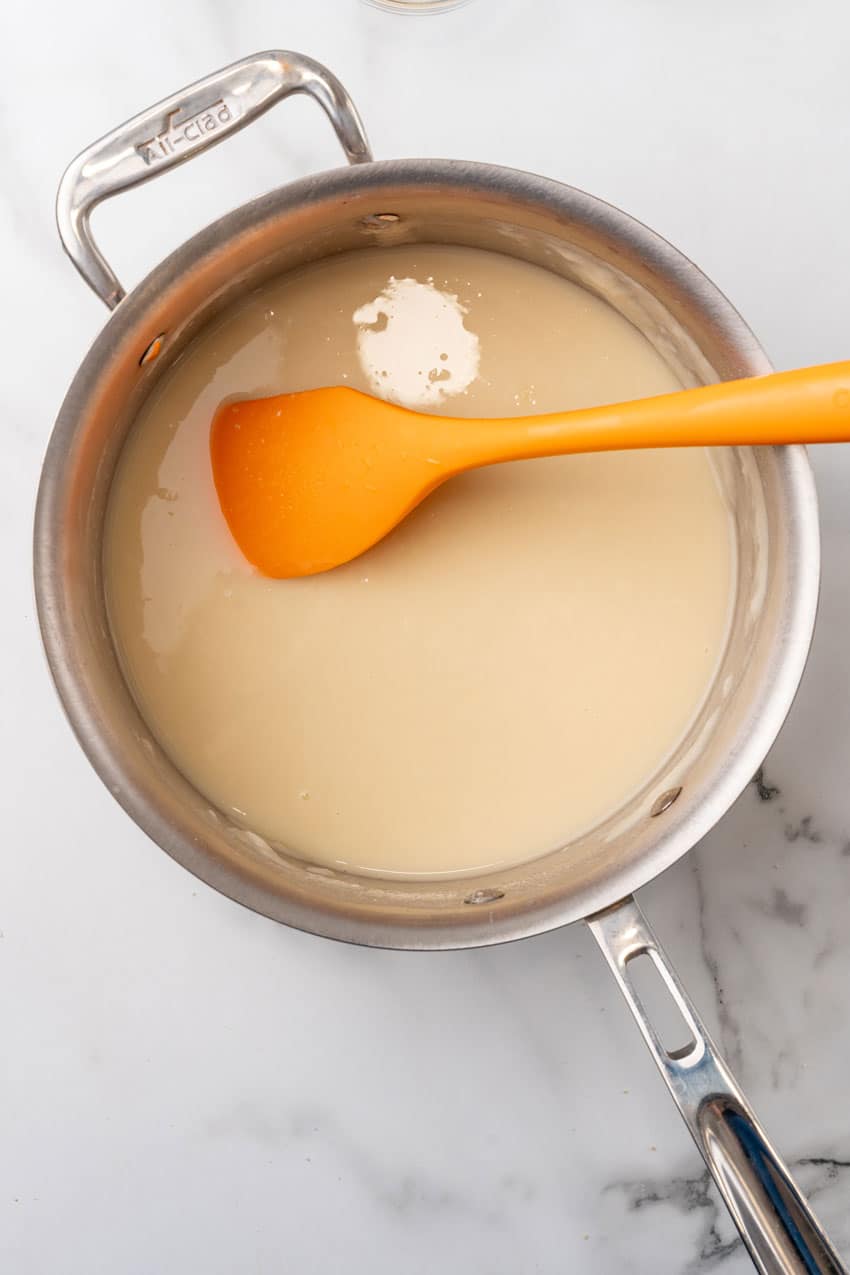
<point>781,1232</point>
<point>179,128</point>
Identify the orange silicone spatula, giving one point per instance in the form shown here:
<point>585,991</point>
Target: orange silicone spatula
<point>308,481</point>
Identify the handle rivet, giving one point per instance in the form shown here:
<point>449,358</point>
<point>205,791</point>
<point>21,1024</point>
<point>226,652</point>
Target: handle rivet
<point>664,802</point>
<point>380,221</point>
<point>484,896</point>
<point>153,351</point>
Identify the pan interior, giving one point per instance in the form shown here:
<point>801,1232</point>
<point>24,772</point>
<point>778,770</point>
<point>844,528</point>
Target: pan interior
<point>699,337</point>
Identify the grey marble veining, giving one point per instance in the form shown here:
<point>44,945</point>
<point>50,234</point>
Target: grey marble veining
<point>190,1087</point>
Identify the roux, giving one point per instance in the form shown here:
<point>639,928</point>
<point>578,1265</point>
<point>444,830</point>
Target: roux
<point>501,673</point>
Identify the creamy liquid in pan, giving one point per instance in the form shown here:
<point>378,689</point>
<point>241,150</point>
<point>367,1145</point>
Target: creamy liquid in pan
<point>500,674</point>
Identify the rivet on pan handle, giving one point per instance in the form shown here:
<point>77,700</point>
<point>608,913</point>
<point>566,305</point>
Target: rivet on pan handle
<point>782,1234</point>
<point>179,128</point>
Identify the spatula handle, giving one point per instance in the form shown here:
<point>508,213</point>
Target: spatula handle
<point>808,405</point>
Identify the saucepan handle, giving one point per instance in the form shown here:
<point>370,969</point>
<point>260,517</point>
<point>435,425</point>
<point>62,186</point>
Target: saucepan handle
<point>182,126</point>
<point>782,1234</point>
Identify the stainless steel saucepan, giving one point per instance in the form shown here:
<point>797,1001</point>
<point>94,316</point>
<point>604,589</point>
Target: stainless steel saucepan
<point>770,491</point>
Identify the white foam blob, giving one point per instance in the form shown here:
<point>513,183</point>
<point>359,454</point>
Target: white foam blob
<point>413,345</point>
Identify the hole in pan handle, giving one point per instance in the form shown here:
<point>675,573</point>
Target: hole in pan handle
<point>780,1231</point>
<point>181,126</point>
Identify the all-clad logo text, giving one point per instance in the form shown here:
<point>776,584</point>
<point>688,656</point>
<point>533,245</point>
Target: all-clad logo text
<point>184,133</point>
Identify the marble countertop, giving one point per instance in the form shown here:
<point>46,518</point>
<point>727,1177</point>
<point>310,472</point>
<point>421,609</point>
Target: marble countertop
<point>189,1087</point>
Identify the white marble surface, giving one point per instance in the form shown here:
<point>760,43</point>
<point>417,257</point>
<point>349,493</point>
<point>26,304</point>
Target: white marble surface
<point>189,1087</point>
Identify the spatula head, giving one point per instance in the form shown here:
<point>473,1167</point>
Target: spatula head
<point>309,481</point>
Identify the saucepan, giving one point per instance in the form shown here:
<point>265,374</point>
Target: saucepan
<point>770,492</point>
